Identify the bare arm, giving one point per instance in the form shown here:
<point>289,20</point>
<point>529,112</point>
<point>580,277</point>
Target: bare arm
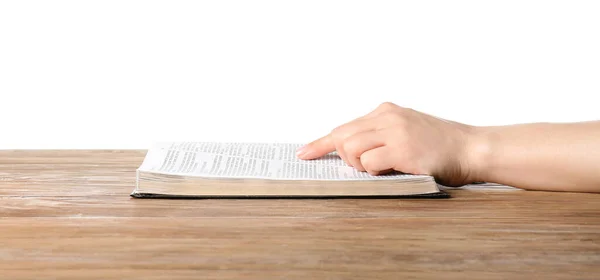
<point>538,156</point>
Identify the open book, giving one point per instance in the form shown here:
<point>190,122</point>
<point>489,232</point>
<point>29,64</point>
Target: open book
<point>205,169</point>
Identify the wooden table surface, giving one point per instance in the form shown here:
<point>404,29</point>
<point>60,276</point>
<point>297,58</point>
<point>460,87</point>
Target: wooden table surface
<point>68,215</point>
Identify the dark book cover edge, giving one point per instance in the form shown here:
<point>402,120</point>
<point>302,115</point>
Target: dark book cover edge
<point>440,194</point>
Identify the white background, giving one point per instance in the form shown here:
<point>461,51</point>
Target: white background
<point>123,74</point>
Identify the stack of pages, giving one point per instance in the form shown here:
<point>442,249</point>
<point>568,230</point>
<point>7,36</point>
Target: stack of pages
<point>223,170</point>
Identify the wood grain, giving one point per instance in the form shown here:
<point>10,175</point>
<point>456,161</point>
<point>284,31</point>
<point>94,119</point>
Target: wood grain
<point>68,215</point>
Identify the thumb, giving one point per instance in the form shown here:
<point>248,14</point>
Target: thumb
<point>317,148</point>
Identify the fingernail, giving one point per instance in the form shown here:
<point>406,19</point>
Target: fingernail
<point>301,151</point>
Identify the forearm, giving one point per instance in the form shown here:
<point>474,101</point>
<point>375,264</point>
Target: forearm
<point>540,156</point>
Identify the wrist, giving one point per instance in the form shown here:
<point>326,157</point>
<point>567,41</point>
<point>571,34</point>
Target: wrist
<point>479,153</point>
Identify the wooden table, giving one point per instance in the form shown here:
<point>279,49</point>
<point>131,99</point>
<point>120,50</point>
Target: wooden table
<point>68,215</point>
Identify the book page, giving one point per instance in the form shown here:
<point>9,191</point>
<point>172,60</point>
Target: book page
<point>251,160</point>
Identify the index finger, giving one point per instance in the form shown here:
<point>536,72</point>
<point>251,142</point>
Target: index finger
<point>317,148</point>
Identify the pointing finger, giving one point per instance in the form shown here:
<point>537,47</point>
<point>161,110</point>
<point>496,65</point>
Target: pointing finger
<point>317,148</point>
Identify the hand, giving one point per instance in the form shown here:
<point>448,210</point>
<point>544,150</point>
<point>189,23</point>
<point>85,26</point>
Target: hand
<point>396,138</point>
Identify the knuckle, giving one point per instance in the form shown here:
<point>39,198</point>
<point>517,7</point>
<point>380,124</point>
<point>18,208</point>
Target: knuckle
<point>351,147</point>
<point>386,106</point>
